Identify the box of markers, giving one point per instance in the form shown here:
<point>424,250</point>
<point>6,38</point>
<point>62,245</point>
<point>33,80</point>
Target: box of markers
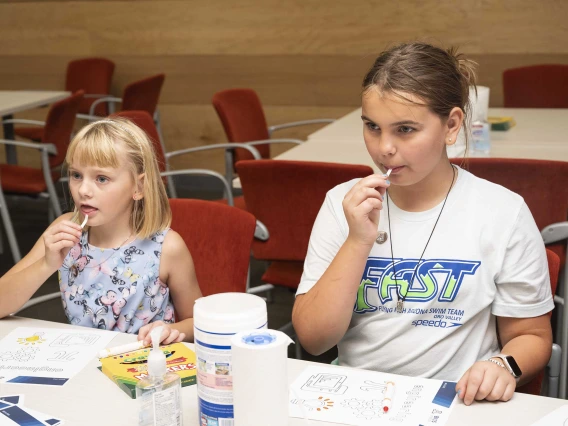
<point>127,369</point>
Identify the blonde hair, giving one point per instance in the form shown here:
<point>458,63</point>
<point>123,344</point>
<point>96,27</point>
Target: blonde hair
<point>96,143</point>
<point>440,78</point>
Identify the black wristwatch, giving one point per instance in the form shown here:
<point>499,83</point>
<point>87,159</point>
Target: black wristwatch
<point>508,363</point>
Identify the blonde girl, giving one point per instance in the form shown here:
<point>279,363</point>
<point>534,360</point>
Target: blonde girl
<point>125,270</point>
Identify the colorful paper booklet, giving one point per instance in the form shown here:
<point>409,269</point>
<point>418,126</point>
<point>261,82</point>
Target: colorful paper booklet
<point>127,369</point>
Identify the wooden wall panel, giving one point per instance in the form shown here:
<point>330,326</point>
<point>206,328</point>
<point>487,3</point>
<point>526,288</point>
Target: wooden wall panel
<point>273,27</point>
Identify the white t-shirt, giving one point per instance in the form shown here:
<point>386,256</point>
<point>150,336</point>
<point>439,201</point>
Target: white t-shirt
<point>486,258</point>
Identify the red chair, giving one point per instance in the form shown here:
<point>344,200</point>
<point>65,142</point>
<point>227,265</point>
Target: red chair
<point>143,120</point>
<point>140,95</point>
<point>53,147</point>
<point>93,76</point>
<point>534,386</point>
<point>543,185</point>
<point>285,197</point>
<point>219,238</point>
<point>242,116</point>
<point>536,86</point>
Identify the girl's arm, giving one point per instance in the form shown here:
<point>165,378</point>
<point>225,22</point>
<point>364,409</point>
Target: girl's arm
<point>322,315</point>
<point>20,283</point>
<point>522,298</point>
<point>176,267</point>
<point>529,341</point>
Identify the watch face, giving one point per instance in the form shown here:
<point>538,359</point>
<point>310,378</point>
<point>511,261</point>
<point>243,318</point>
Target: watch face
<point>514,366</point>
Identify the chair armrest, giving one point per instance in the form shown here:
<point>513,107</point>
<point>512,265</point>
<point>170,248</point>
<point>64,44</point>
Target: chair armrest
<point>225,146</point>
<point>102,100</point>
<point>40,299</point>
<point>23,121</point>
<point>206,172</point>
<point>272,129</point>
<point>555,232</point>
<point>48,147</point>
<point>95,95</point>
<point>553,371</point>
<point>89,117</point>
<point>271,141</point>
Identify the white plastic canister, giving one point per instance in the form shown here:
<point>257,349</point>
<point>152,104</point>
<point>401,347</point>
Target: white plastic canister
<point>216,319</point>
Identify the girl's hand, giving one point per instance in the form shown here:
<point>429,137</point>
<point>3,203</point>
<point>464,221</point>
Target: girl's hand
<point>58,239</point>
<point>486,380</point>
<point>169,334</point>
<point>362,206</point>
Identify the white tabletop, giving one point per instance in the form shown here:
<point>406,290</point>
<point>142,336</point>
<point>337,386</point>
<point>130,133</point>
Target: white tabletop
<point>12,101</point>
<point>91,399</point>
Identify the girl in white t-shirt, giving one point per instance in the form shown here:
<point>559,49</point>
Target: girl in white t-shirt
<point>429,271</point>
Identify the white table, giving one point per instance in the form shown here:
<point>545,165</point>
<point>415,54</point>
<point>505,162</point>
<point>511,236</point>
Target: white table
<point>12,101</point>
<point>91,399</point>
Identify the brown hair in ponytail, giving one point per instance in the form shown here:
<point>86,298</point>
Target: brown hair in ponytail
<point>439,78</point>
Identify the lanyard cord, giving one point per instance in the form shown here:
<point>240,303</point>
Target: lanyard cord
<point>401,297</point>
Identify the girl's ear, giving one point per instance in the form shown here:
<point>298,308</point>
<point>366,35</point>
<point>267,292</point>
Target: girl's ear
<point>453,125</point>
<point>139,192</point>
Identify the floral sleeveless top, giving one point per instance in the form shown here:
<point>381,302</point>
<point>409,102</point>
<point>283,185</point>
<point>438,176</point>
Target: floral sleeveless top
<point>115,289</point>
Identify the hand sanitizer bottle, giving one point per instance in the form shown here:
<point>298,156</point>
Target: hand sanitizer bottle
<point>160,392</point>
<point>481,139</point>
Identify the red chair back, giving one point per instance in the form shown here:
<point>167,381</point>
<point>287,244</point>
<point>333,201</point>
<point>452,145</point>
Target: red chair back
<point>536,86</point>
<point>143,95</point>
<point>59,126</point>
<point>542,184</point>
<point>533,387</point>
<point>94,76</point>
<point>219,239</point>
<point>143,120</point>
<point>241,114</point>
<point>286,196</point>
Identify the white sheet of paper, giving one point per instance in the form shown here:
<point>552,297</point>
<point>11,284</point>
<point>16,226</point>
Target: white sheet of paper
<point>558,417</point>
<point>48,356</point>
<point>355,397</point>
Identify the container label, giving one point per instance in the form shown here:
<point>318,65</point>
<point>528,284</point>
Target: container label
<point>215,384</point>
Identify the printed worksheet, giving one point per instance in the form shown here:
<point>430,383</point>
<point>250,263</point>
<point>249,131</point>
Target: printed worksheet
<point>48,356</point>
<point>358,397</point>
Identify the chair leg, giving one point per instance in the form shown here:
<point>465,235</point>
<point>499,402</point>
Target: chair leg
<point>50,214</point>
<point>9,230</point>
<point>228,170</point>
<point>1,241</point>
<point>55,203</point>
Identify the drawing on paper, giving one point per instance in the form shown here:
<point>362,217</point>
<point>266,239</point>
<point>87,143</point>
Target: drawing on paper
<point>314,404</point>
<point>36,339</point>
<point>364,409</point>
<point>63,356</point>
<point>21,355</point>
<point>371,386</point>
<point>326,383</point>
<point>74,339</point>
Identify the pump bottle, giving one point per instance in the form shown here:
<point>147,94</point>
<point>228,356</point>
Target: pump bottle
<point>159,393</point>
